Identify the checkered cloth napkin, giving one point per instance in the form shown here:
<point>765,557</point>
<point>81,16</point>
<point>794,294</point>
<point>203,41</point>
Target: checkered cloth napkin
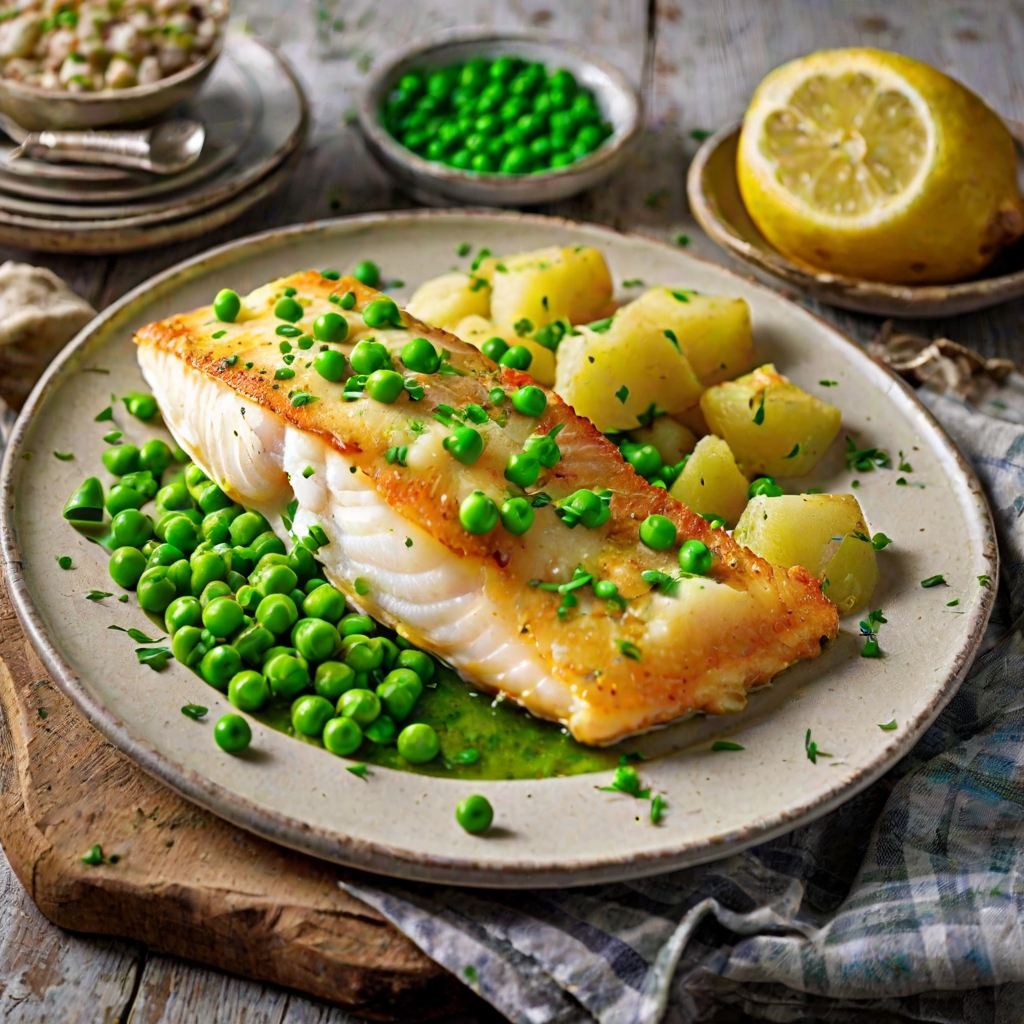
<point>905,903</point>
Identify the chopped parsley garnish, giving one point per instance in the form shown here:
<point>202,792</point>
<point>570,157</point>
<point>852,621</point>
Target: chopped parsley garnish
<point>113,437</point>
<point>601,326</point>
<point>888,726</point>
<point>682,240</point>
<point>813,752</point>
<point>934,581</point>
<point>904,466</point>
<point>633,282</point>
<point>523,327</point>
<point>759,414</point>
<point>308,472</point>
<point>984,581</point>
<point>219,334</point>
<point>469,971</point>
<point>864,460</point>
<point>414,389</point>
<point>97,595</point>
<point>304,398</point>
<point>720,745</point>
<point>284,373</point>
<point>869,630</point>
<point>359,770</point>
<point>481,256</point>
<point>626,780</point>
<point>657,578</point>
<point>94,857</point>
<point>646,418</point>
<point>622,394</point>
<point>137,635</point>
<point>64,456</point>
<point>657,808</point>
<point>155,657</point>
<point>684,297</point>
<point>396,454</point>
<point>194,711</point>
<point>628,649</point>
<point>106,414</point>
<point>829,383</point>
<point>408,542</point>
<point>794,453</point>
<point>64,561</point>
<point>953,603</point>
<point>540,499</point>
<point>464,249</point>
<point>700,134</point>
<point>671,335</point>
<point>904,482</point>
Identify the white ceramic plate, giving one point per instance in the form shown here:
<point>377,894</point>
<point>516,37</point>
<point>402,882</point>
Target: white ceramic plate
<point>553,832</point>
<point>279,114</point>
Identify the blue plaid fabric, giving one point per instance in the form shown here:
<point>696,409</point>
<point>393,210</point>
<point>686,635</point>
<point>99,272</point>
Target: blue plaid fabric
<point>905,903</point>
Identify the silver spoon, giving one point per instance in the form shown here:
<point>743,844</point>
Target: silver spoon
<point>166,148</point>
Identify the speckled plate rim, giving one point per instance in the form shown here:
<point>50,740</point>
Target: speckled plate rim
<point>851,293</point>
<point>384,858</point>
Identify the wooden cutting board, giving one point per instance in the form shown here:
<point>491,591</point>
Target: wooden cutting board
<point>185,882</point>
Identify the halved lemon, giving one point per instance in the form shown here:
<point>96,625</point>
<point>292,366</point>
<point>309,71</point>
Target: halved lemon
<point>868,164</point>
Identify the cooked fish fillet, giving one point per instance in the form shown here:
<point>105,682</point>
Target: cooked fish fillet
<point>602,670</point>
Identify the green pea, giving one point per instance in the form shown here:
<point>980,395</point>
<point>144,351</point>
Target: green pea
<point>362,706</point>
<point>302,563</point>
<point>180,574</point>
<point>274,579</point>
<point>120,497</point>
<point>522,469</point>
<point>287,675</point>
<point>330,327</point>
<point>220,665</point>
<point>342,736</point>
<point>330,365</point>
<point>126,566</point>
<point>418,743</point>
<point>121,459</point>
<point>658,532</point>
<point>247,596</point>
<point>183,611</point>
<point>131,528</point>
<point>248,690</point>
<point>420,356</point>
<point>206,567</point>
<point>482,163</point>
<point>288,309</point>
<point>541,149</point>
<point>354,624</point>
<point>213,590</point>
<point>267,543</point>
<point>142,407</point>
<point>367,273</point>
<point>518,357</point>
<point>530,400</point>
<point>232,733</point>
<point>544,449</point>
<point>587,508</point>
<point>503,69</point>
<point>253,643</point>
<point>181,532</point>
<point>310,714</point>
<point>561,160</point>
<point>325,603</point>
<point>474,814</point>
<point>369,356</point>
<point>209,497</point>
<point>364,656</point>
<point>478,513</point>
<point>517,516</point>
<point>391,652</point>
<point>464,444</point>
<point>765,485</point>
<point>332,679</point>
<point>269,559</point>
<point>226,306</point>
<point>589,137</point>
<point>223,616</point>
<point>235,581</point>
<point>519,159</point>
<point>399,691</point>
<point>142,481</point>
<point>315,639</point>
<point>156,456</point>
<point>297,596</point>
<point>381,730</point>
<point>461,159</point>
<point>384,386</point>
<point>494,348</point>
<point>186,645</point>
<point>420,663</point>
<point>246,528</point>
<point>605,590</point>
<point>173,497</point>
<point>695,557</point>
<point>277,612</point>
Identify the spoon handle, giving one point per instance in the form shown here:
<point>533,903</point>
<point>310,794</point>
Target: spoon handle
<point>125,148</point>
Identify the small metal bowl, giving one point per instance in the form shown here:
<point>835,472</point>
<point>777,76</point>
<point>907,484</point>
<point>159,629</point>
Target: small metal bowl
<point>715,201</point>
<point>438,184</point>
<point>37,109</point>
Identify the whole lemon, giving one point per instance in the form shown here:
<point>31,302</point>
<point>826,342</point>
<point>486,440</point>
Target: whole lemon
<point>868,164</point>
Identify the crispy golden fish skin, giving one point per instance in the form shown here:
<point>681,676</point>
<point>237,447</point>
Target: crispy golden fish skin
<point>605,669</point>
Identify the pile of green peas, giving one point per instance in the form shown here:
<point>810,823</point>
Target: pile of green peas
<point>254,620</point>
<point>506,116</point>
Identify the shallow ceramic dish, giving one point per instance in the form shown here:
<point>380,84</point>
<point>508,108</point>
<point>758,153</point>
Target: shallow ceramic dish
<point>266,86</point>
<point>37,109</point>
<point>435,183</point>
<point>549,832</point>
<point>715,201</point>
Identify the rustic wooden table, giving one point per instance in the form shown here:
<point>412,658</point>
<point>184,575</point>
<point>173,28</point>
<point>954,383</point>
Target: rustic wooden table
<point>696,64</point>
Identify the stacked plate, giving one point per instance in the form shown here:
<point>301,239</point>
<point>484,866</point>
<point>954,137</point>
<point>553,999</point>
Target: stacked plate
<point>255,117</point>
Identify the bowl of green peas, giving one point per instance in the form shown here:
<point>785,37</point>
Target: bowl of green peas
<point>497,119</point>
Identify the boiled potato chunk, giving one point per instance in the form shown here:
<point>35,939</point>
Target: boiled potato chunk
<point>477,329</point>
<point>671,439</point>
<point>614,377</point>
<point>540,287</point>
<point>713,331</point>
<point>444,301</point>
<point>711,483</point>
<point>819,532</point>
<point>772,426</point>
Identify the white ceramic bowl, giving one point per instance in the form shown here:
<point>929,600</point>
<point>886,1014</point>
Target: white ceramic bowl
<point>435,183</point>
